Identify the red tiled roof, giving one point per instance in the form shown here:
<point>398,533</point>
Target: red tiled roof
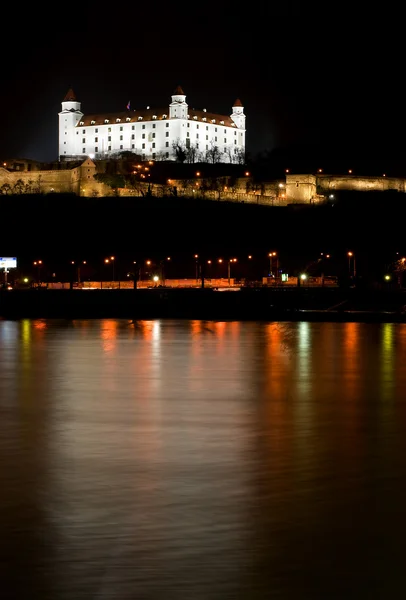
<point>237,103</point>
<point>147,115</point>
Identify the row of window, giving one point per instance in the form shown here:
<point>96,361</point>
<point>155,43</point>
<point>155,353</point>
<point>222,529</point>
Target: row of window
<point>96,139</point>
<point>96,130</point>
<point>96,149</point>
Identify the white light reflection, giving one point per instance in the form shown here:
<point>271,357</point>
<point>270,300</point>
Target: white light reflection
<point>304,350</point>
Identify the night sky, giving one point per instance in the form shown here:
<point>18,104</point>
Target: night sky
<point>319,78</point>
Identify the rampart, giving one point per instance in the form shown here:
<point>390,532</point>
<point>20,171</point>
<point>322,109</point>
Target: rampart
<point>22,177</point>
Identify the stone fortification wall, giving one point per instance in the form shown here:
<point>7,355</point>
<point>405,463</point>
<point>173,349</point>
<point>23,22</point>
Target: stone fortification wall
<point>38,182</point>
<point>328,183</point>
<point>301,188</point>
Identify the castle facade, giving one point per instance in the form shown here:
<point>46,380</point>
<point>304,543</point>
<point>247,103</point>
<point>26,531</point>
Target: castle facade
<point>152,133</point>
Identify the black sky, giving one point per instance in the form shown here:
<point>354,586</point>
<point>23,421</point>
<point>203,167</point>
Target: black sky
<point>322,77</point>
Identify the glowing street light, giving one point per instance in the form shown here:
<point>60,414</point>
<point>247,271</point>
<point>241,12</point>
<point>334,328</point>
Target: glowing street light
<point>351,256</point>
<point>112,259</point>
<point>273,255</point>
<point>197,266</point>
<point>230,260</point>
<point>38,264</point>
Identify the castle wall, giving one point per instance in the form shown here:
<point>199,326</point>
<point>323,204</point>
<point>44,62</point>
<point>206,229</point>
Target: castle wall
<point>300,188</point>
<point>327,183</point>
<point>40,182</point>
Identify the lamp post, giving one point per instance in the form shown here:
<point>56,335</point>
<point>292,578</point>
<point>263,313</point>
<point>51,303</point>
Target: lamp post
<point>168,258</point>
<point>107,260</point>
<point>38,264</point>
<point>271,256</point>
<point>230,260</point>
<point>351,256</point>
<point>112,258</point>
<point>197,267</point>
<point>323,256</point>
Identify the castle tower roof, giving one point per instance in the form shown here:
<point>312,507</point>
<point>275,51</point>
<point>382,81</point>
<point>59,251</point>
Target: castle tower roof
<point>237,103</point>
<point>178,91</point>
<point>70,96</point>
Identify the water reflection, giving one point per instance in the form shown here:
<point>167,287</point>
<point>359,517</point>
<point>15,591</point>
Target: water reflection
<point>183,459</point>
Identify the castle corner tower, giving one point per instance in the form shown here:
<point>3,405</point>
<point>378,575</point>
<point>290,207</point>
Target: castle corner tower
<point>69,117</point>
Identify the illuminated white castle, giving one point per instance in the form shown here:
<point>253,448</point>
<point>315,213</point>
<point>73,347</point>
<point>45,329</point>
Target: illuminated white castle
<point>160,133</point>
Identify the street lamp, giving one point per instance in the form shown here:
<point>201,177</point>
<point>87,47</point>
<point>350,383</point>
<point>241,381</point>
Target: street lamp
<point>168,258</point>
<point>38,264</point>
<point>351,256</point>
<point>230,260</point>
<point>107,260</point>
<point>112,259</point>
<point>197,266</point>
<point>271,256</point>
<point>78,269</point>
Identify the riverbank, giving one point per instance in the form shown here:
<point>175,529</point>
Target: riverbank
<point>299,304</point>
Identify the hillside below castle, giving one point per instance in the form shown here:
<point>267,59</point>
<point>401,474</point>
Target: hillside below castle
<point>130,177</point>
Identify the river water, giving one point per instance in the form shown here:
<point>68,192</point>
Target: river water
<point>182,460</point>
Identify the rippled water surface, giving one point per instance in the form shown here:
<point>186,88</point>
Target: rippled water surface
<point>188,460</point>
